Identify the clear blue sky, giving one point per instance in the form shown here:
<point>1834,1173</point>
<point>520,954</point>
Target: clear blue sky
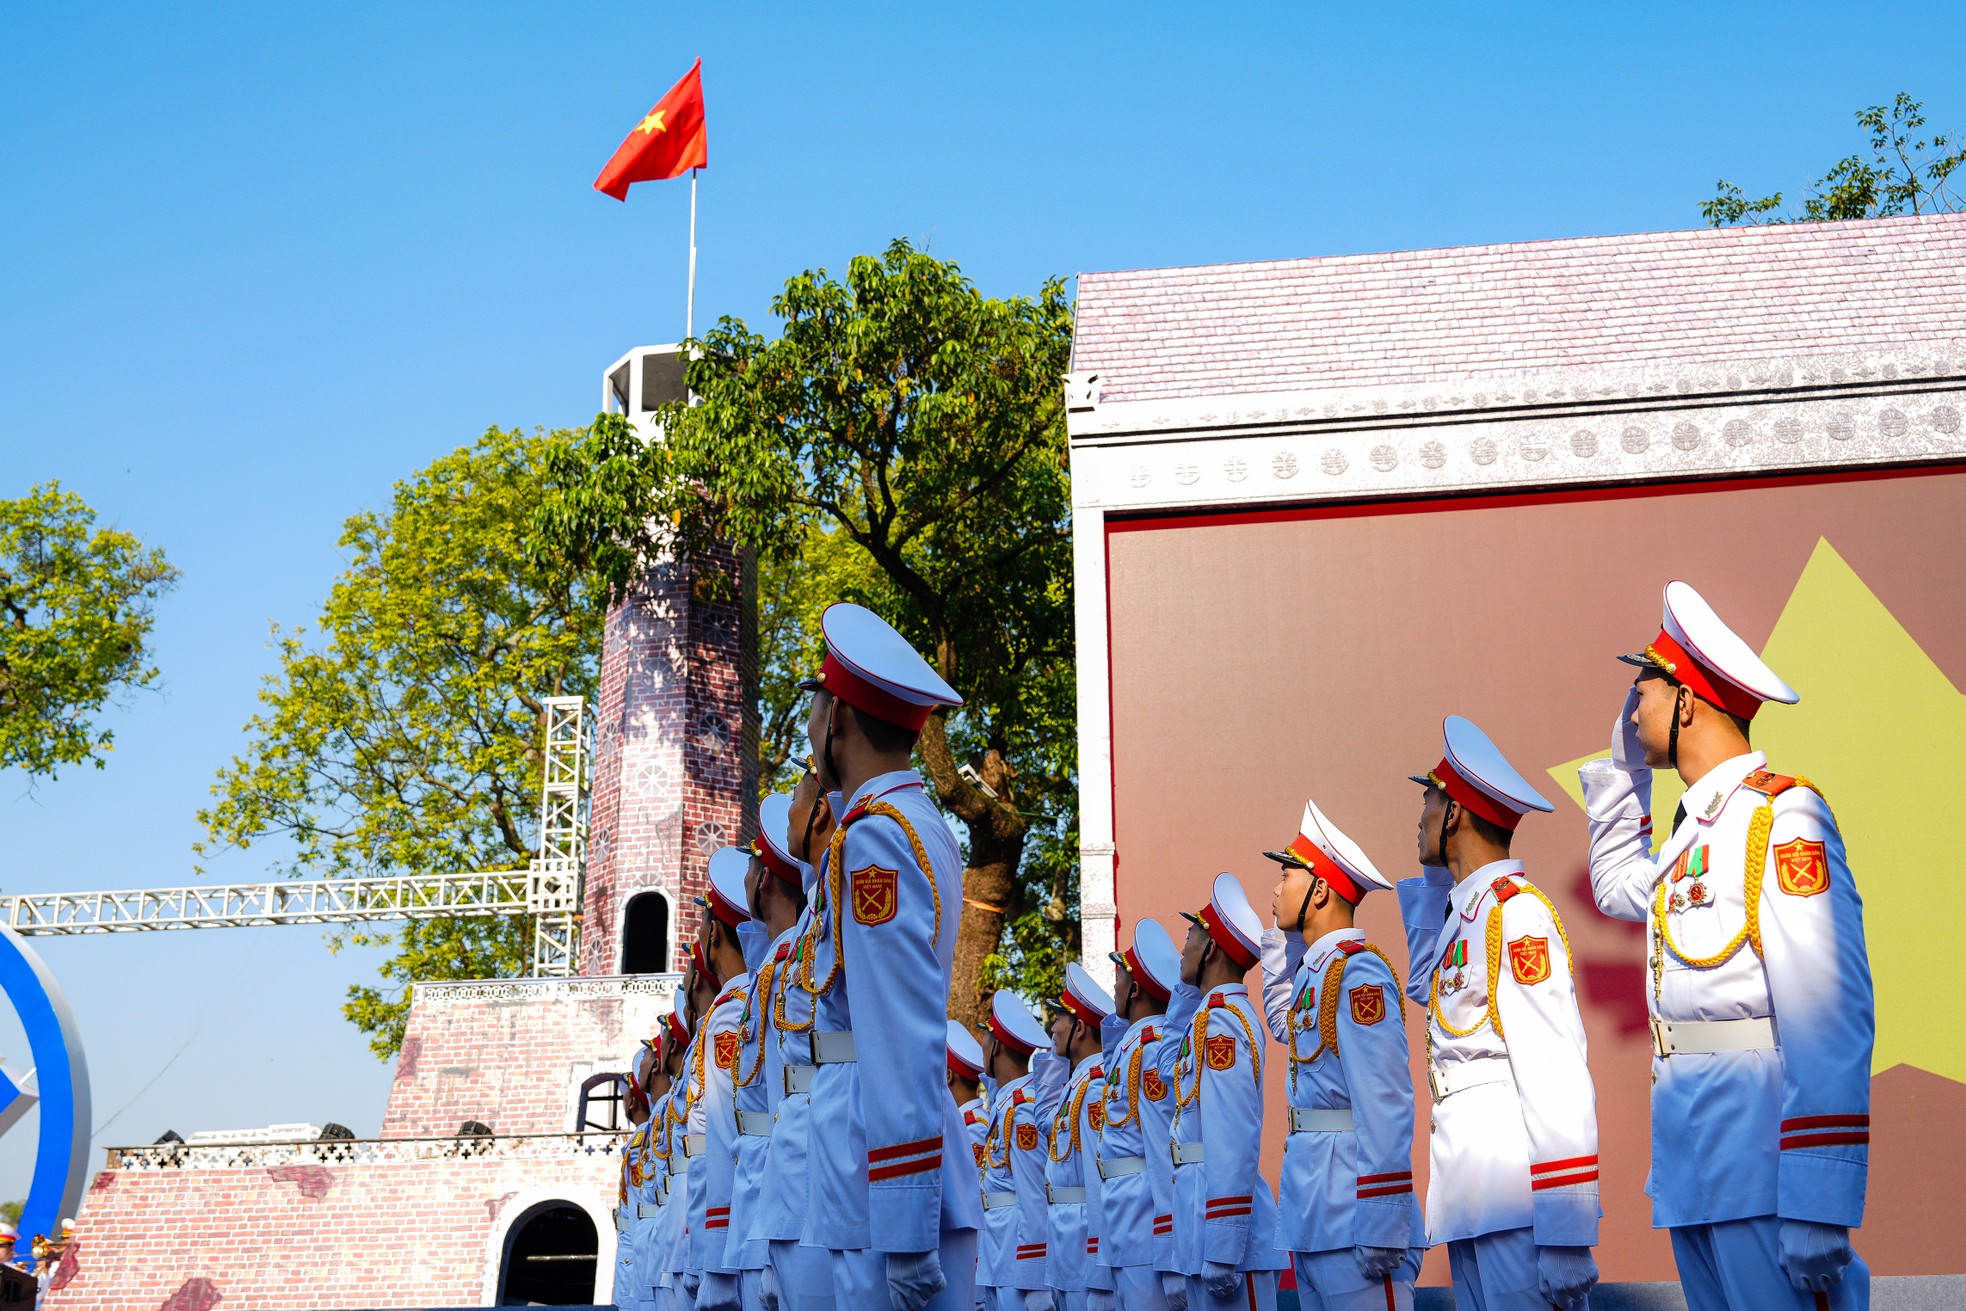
<point>258,262</point>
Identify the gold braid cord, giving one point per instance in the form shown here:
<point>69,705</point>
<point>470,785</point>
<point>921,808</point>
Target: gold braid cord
<point>1132,1090</point>
<point>763,990</point>
<point>999,1133</point>
<point>779,1019</point>
<point>1070,1113</point>
<point>836,892</point>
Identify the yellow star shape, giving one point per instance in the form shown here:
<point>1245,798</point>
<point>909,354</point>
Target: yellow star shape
<point>653,123</point>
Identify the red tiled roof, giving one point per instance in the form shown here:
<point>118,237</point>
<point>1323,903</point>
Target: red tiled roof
<point>1424,315</point>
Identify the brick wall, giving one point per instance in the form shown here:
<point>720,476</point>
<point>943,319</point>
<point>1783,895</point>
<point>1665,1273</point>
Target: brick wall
<point>511,1053</point>
<point>675,759</point>
<point>411,1234</point>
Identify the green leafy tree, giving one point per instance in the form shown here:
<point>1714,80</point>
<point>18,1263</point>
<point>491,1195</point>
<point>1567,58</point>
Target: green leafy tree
<point>1902,172</point>
<point>75,618</point>
<point>403,735</point>
<point>901,442</point>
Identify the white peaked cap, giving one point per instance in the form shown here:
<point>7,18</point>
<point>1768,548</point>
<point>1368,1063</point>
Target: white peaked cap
<point>965,1053</point>
<point>1015,1025</point>
<point>773,843</point>
<point>1083,997</point>
<point>872,668</point>
<point>1231,921</point>
<point>1474,772</point>
<point>1153,960</point>
<point>1323,849</point>
<point>730,868</point>
<point>1702,652</point>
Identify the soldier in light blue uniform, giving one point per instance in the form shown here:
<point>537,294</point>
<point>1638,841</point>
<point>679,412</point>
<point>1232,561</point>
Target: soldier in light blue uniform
<point>1345,1201</point>
<point>1072,1265</point>
<point>713,1183</point>
<point>687,1139</point>
<point>802,1277</point>
<point>1135,1218</point>
<point>1512,1147</point>
<point>666,1181</point>
<point>1758,982</point>
<point>637,1160</point>
<point>901,1227</point>
<point>1011,1267</point>
<point>1225,1218</point>
<point>966,1090</point>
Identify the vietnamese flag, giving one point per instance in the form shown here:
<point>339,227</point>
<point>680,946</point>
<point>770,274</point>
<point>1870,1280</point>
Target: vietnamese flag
<point>668,143</point>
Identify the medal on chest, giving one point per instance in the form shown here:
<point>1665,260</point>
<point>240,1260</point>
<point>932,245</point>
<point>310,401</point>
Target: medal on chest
<point>1454,968</point>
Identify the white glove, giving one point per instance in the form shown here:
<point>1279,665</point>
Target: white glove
<point>768,1289</point>
<point>1813,1255</point>
<point>1375,1263</point>
<point>1626,753</point>
<point>1037,1299</point>
<point>690,1280</point>
<point>913,1278</point>
<point>1174,1288</point>
<point>718,1292</point>
<point>1565,1274</point>
<point>1049,1072</point>
<point>1220,1278</point>
<point>1100,1299</point>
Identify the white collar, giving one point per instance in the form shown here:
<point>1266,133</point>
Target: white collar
<point>1706,799</point>
<point>1321,950</point>
<point>1469,891</point>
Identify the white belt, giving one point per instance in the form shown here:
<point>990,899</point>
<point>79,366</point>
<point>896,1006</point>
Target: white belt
<point>755,1124</point>
<point>1468,1074</point>
<point>997,1201</point>
<point>1332,1121</point>
<point>1704,1037</point>
<point>798,1079</point>
<point>693,1144</point>
<point>1064,1196</point>
<point>1121,1166</point>
<point>834,1048</point>
<point>648,1210</point>
<point>1186,1153</point>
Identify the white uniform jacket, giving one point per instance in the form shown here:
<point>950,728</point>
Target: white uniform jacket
<point>1014,1236</point>
<point>1135,1128</point>
<point>685,1159</point>
<point>787,1085</point>
<point>1212,1060</point>
<point>1514,1141</point>
<point>713,1176</point>
<point>1072,1184</point>
<point>635,1161</point>
<point>1781,1129</point>
<point>883,1122</point>
<point>1338,1011</point>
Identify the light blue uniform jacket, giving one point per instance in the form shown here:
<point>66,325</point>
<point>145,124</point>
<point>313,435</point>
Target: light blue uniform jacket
<point>883,1125</point>
<point>748,1246</point>
<point>713,1180</point>
<point>1071,1255</point>
<point>1135,1217</point>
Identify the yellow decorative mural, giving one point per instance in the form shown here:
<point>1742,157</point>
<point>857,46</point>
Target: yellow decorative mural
<point>1880,729</point>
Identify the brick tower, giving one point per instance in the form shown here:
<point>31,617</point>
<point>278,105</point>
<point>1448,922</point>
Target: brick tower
<point>674,772</point>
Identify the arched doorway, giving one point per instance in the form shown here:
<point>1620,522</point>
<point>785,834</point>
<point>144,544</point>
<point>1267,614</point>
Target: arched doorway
<point>645,934</point>
<point>550,1258</point>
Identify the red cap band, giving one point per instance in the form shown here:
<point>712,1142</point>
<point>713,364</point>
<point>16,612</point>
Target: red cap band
<point>1225,938</point>
<point>1085,1015</point>
<point>1706,684</point>
<point>839,679</point>
<point>1146,981</point>
<point>1324,867</point>
<point>1009,1039</point>
<point>961,1067</point>
<point>1475,799</point>
<point>702,962</point>
<point>783,870</point>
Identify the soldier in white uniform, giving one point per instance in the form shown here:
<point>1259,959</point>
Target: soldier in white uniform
<point>1758,981</point>
<point>637,1161</point>
<point>668,1186</point>
<point>713,1178</point>
<point>1012,1262</point>
<point>1072,1265</point>
<point>1513,1147</point>
<point>802,1278</point>
<point>687,1141</point>
<point>1225,1218</point>
<point>1345,1200</point>
<point>1135,1220</point>
<point>966,1088</point>
<point>901,1227</point>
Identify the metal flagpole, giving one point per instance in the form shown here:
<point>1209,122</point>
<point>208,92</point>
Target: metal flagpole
<point>689,312</point>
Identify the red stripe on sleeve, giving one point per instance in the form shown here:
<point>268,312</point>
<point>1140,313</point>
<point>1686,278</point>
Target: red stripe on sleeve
<point>1792,1141</point>
<point>1826,1122</point>
<point>1563,1180</point>
<point>1567,1163</point>
<point>878,1154</point>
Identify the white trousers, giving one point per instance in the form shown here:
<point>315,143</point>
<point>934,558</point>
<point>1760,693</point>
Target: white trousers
<point>1497,1272</point>
<point>1139,1288</point>
<point>1255,1291</point>
<point>1736,1266</point>
<point>1330,1281</point>
<point>804,1275</point>
<point>860,1276</point>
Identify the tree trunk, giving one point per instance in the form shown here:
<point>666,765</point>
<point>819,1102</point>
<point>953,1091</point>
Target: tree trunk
<point>990,888</point>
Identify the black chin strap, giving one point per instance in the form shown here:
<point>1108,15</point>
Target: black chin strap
<point>1444,816</point>
<point>1672,740</point>
<point>1305,909</point>
<point>826,751</point>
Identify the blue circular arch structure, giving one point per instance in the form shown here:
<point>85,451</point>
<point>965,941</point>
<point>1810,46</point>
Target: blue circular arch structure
<point>61,1076</point>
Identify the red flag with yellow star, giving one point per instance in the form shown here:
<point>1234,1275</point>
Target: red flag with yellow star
<point>667,143</point>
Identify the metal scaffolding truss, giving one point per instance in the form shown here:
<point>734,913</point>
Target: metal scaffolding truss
<point>550,890</point>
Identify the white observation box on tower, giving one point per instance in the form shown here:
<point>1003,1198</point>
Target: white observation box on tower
<point>642,380</point>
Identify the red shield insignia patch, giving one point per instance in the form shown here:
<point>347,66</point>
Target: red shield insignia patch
<point>1097,1115</point>
<point>1368,1003</point>
<point>1221,1052</point>
<point>1027,1137</point>
<point>1802,868</point>
<point>1529,959</point>
<point>726,1043</point>
<point>1151,1086</point>
<point>874,898</point>
<point>978,1149</point>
